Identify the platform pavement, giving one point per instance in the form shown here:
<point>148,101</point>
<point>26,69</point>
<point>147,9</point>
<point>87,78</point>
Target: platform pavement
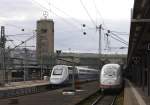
<point>55,97</point>
<point>133,96</point>
<point>14,89</point>
<point>23,84</point>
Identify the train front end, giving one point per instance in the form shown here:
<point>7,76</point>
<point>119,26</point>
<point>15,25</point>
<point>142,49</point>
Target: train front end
<point>59,75</point>
<point>110,78</point>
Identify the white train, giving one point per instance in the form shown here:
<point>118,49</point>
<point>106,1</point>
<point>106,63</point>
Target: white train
<point>62,74</point>
<point>111,77</point>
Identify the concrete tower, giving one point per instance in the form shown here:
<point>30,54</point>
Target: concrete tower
<point>45,40</point>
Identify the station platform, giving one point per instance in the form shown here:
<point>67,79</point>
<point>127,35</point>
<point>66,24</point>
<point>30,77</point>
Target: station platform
<point>134,96</point>
<point>23,84</point>
<point>55,97</point>
<point>14,89</point>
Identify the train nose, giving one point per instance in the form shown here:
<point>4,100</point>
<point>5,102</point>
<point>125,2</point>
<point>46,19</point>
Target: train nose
<point>55,80</point>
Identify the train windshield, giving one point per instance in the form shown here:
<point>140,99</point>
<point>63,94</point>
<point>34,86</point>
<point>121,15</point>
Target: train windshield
<point>57,71</point>
<point>110,72</point>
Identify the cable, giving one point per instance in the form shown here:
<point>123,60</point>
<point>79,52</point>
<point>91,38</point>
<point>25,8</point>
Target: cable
<point>75,20</point>
<point>23,42</point>
<point>16,39</point>
<point>119,40</point>
<point>87,13</point>
<point>119,37</point>
<point>11,41</point>
<point>68,31</point>
<point>120,33</point>
<point>66,21</point>
<point>97,10</point>
<point>12,25</point>
<point>41,6</point>
<point>115,35</point>
<point>19,35</point>
<point>18,27</point>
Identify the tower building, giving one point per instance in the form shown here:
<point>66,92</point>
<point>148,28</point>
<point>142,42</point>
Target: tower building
<point>45,40</point>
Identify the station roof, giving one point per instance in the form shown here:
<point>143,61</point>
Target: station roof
<point>139,30</point>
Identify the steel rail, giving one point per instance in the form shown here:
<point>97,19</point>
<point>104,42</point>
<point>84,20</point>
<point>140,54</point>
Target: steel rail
<point>98,99</point>
<point>114,99</point>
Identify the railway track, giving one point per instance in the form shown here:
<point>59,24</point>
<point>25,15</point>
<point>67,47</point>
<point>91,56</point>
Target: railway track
<point>99,98</point>
<point>105,100</point>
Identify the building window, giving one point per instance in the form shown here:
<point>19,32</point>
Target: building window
<point>43,30</point>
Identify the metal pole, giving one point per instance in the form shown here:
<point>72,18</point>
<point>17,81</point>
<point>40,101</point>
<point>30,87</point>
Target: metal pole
<point>73,74</point>
<point>3,65</point>
<point>25,64</point>
<point>24,76</point>
<point>99,28</point>
<point>41,66</point>
<point>3,41</point>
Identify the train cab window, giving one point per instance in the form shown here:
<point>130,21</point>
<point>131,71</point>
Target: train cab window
<point>110,72</point>
<point>57,71</point>
<point>70,68</point>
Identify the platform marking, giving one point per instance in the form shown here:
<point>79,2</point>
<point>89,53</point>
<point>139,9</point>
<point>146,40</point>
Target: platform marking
<point>137,95</point>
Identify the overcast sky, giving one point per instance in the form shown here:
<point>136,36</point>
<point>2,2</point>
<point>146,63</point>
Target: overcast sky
<point>69,15</point>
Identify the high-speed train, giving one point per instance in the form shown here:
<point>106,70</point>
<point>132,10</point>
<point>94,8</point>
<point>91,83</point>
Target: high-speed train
<point>62,74</point>
<point>111,77</point>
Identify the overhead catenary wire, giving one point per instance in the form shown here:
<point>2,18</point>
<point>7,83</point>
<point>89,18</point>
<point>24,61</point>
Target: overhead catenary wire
<point>74,20</point>
<point>120,33</point>
<point>116,35</point>
<point>99,13</point>
<point>19,35</point>
<point>119,37</point>
<point>10,40</point>
<point>118,40</point>
<point>14,37</point>
<point>18,27</point>
<point>75,30</point>
<point>88,13</point>
<point>65,20</point>
<point>15,26</point>
<point>115,32</point>
<point>23,42</point>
